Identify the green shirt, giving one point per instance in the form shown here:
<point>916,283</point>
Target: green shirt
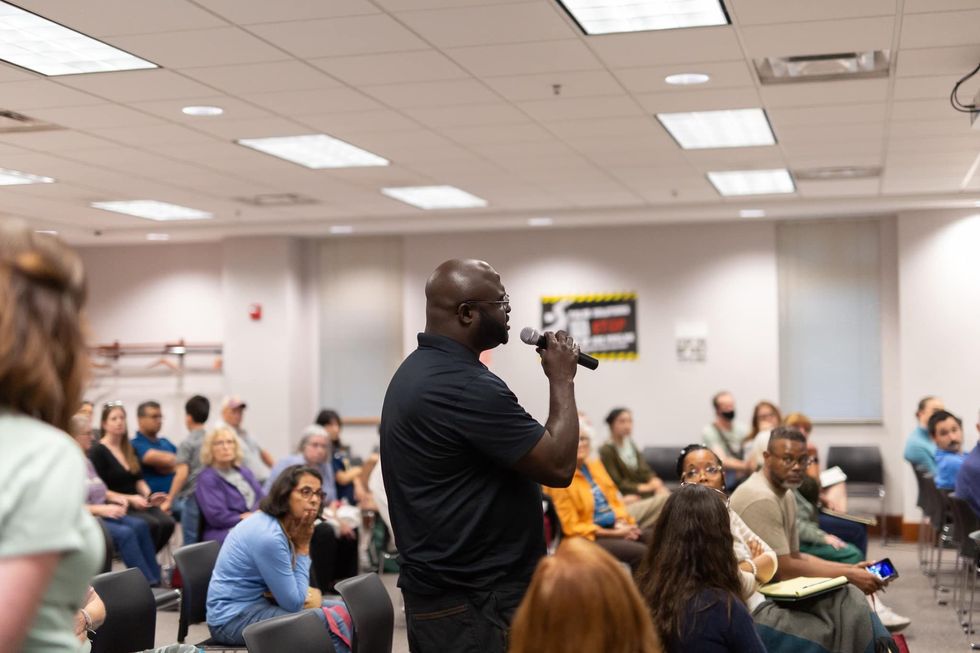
<point>42,510</point>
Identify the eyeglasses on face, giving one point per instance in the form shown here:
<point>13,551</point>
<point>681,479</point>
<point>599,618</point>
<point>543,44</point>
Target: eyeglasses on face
<point>309,493</point>
<point>790,462</point>
<point>710,471</point>
<point>502,303</point>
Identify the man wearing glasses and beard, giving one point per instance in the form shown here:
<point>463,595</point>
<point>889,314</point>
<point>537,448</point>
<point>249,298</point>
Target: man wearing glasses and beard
<point>462,460</point>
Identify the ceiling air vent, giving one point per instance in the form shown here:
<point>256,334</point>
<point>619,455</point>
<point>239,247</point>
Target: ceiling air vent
<point>837,173</point>
<point>12,122</point>
<point>823,67</point>
<point>277,200</point>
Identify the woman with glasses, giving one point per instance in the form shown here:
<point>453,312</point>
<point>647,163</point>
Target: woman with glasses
<point>263,569</point>
<point>226,491</point>
<point>690,577</point>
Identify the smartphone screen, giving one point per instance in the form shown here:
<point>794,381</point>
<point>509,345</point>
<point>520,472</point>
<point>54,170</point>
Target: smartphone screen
<point>883,569</point>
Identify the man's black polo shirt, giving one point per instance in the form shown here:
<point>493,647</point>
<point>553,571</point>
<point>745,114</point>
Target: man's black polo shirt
<point>450,432</point>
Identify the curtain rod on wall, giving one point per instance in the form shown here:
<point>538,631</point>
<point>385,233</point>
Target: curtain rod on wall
<point>179,348</point>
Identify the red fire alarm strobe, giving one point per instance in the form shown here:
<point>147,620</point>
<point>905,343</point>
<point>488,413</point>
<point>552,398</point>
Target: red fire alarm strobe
<point>255,311</point>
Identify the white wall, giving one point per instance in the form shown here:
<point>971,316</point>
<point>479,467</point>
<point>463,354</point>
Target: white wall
<point>723,275</point>
<point>939,281</point>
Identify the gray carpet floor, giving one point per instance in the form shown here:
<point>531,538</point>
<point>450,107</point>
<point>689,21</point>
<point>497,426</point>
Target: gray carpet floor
<point>934,627</point>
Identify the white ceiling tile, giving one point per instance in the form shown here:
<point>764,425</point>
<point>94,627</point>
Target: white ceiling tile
<point>737,158</point>
<point>707,100</point>
<point>678,46</point>
<point>844,149</point>
<point>475,114</point>
<point>263,77</point>
<point>723,74</point>
<point>542,87</point>
<point>860,91</point>
<point>935,108</point>
<point>485,25</point>
<point>835,114</point>
<point>525,58</point>
<point>833,160</point>
<point>137,85</point>
<point>311,102</point>
<point>54,141</point>
<point>933,86</point>
<point>955,126</point>
<point>628,126</point>
<point>246,12</point>
<point>101,18</point>
<point>409,5</point>
<point>958,60</point>
<point>505,152</point>
<point>40,94</point>
<point>341,36</point>
<point>95,116</point>
<point>485,134</point>
<point>929,6</point>
<point>11,73</point>
<point>572,108</point>
<point>603,159</point>
<point>391,68</point>
<point>818,37</point>
<point>205,47</point>
<point>338,124</point>
<point>917,185</point>
<point>255,128</point>
<point>149,136</point>
<point>839,188</point>
<point>429,94</point>
<point>762,12</point>
<point>899,142</point>
<point>940,29</point>
<point>830,133</point>
<point>234,109</point>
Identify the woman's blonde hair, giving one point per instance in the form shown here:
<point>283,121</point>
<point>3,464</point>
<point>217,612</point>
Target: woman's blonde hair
<point>43,359</point>
<point>207,457</point>
<point>799,421</point>
<point>582,598</point>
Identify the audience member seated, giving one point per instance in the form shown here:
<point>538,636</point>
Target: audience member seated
<point>767,506</point>
<point>920,450</point>
<point>591,508</point>
<point>765,417</point>
<point>226,492</point>
<point>157,455</point>
<point>49,543</point>
<point>834,496</point>
<point>335,539</point>
<point>115,461</point>
<point>726,438</point>
<point>350,478</point>
<point>783,629</point>
<point>968,480</point>
<point>263,569</point>
<point>946,431</point>
<point>690,578</point>
<point>580,599</point>
<point>257,459</point>
<point>643,492</point>
<point>181,497</point>
<point>130,536</point>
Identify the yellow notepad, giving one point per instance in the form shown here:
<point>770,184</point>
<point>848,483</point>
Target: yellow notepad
<point>801,587</point>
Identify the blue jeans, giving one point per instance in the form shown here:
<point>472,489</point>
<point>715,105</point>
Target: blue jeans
<point>131,537</point>
<point>230,633</point>
<point>190,518</point>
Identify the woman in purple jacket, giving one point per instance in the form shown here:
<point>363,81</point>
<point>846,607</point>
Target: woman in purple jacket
<point>226,491</point>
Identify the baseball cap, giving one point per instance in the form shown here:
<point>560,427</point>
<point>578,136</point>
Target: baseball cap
<point>232,401</point>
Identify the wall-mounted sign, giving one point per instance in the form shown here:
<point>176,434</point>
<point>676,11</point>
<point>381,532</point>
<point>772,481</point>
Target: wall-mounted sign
<point>692,342</point>
<point>604,325</point>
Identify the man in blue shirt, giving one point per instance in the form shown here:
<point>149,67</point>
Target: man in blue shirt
<point>158,456</point>
<point>946,430</point>
<point>968,480</point>
<point>920,450</point>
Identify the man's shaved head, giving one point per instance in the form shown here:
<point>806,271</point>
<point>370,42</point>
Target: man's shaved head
<point>463,301</point>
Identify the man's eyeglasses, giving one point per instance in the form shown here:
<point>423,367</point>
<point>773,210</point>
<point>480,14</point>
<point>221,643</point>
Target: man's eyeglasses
<point>790,462</point>
<point>693,474</point>
<point>309,493</point>
<point>502,303</point>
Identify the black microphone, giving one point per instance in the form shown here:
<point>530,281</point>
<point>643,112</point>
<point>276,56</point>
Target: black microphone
<point>532,337</point>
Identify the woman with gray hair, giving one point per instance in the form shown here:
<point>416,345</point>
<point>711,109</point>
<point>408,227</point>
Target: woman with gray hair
<point>226,491</point>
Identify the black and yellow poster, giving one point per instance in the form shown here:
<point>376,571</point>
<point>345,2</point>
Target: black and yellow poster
<point>604,325</point>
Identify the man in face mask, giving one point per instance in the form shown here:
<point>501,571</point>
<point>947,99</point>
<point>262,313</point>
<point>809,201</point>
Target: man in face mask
<point>725,438</point>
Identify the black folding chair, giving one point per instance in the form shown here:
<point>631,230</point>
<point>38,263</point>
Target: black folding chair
<point>663,461</point>
<point>131,612</point>
<point>865,476</point>
<point>195,563</point>
<point>964,523</point>
<point>371,611</point>
<point>303,632</point>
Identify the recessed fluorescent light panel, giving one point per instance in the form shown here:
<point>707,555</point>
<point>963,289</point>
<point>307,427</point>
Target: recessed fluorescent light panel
<point>751,213</point>
<point>202,111</point>
<point>435,197</point>
<point>315,151</point>
<point>341,229</point>
<point>540,222</point>
<point>153,210</point>
<point>16,178</point>
<point>157,237</point>
<point>686,79</point>
<point>698,130</point>
<point>752,182</point>
<point>41,45</point>
<point>613,16</point>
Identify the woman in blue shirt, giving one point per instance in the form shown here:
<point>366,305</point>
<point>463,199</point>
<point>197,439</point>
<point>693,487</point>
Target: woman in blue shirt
<point>263,570</point>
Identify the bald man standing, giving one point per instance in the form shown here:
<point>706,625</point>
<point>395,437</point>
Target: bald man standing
<point>461,461</point>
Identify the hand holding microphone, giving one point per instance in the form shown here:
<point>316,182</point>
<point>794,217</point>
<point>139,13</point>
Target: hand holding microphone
<point>558,346</point>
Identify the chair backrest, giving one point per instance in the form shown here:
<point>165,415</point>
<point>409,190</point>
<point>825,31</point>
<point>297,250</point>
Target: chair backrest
<point>110,548</point>
<point>195,563</point>
<point>861,464</point>
<point>371,611</point>
<point>303,632</point>
<point>552,524</point>
<point>964,522</point>
<point>131,612</point>
<point>663,461</point>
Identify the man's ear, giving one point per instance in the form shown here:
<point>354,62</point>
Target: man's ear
<point>464,313</point>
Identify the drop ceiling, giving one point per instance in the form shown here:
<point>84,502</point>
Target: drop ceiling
<point>505,99</point>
